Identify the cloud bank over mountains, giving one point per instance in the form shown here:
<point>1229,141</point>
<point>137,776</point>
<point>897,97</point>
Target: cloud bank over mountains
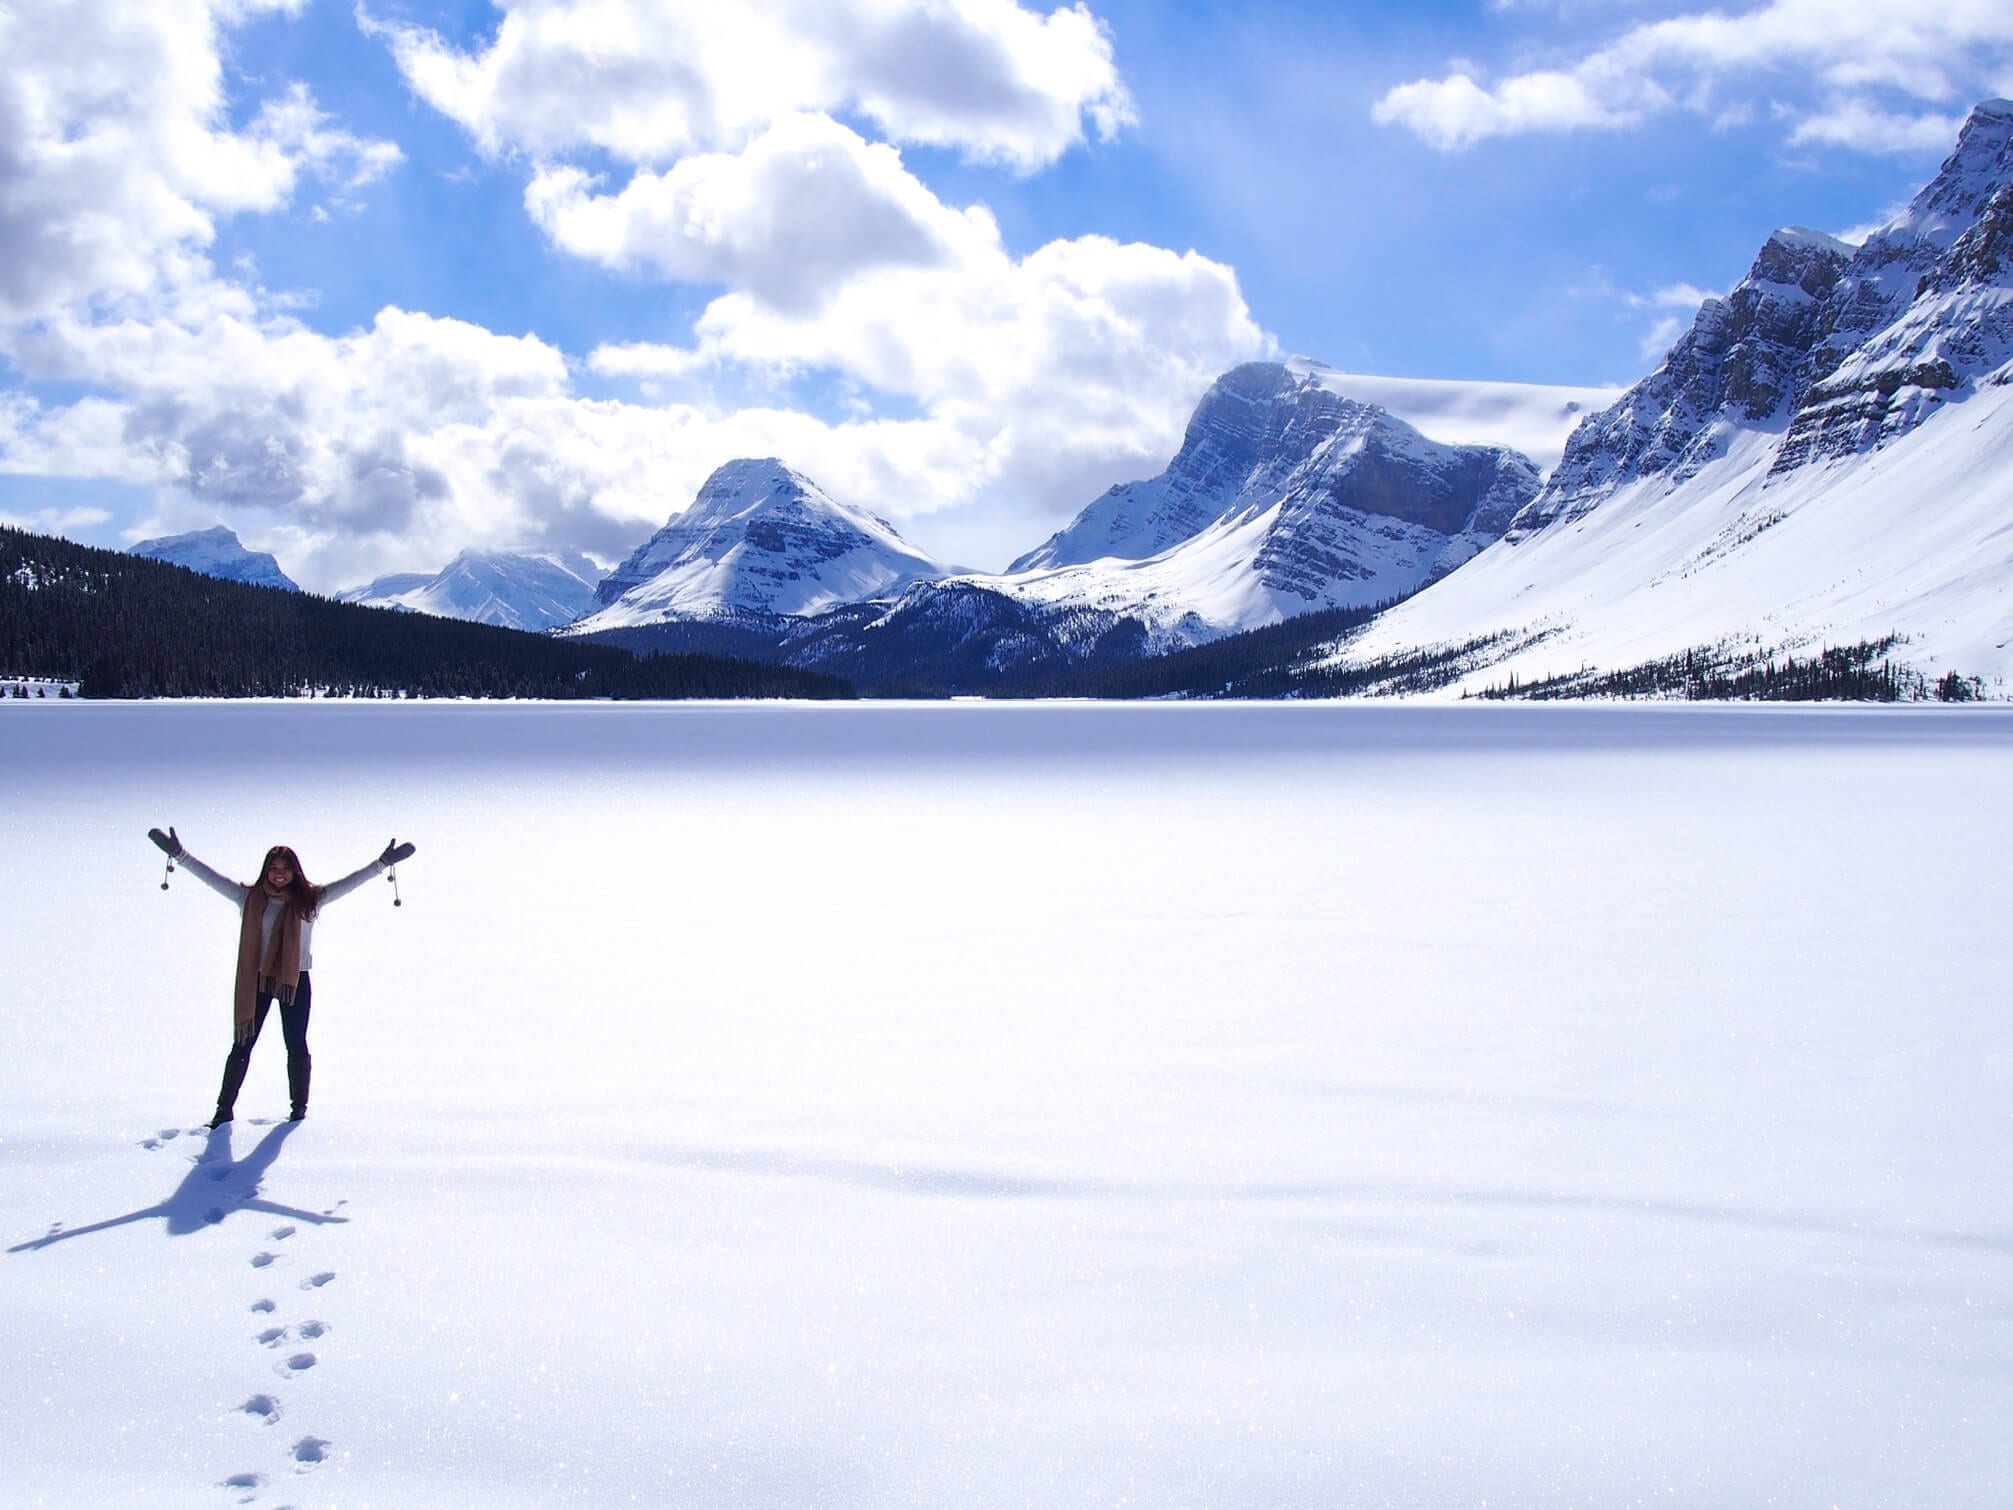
<point>983,377</point>
<point>775,169</point>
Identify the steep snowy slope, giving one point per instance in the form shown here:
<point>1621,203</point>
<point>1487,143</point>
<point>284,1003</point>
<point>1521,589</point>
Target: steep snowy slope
<point>518,592</point>
<point>217,552</point>
<point>1825,458</point>
<point>759,539</point>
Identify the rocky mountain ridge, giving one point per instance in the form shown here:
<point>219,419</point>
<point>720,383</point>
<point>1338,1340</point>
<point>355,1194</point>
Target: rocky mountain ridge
<point>1837,348</point>
<point>217,552</point>
<point>1824,459</point>
<point>1269,434</point>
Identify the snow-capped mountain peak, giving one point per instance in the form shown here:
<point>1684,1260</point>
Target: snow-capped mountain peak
<point>217,552</point>
<point>759,538</point>
<point>530,592</point>
<point>1268,432</point>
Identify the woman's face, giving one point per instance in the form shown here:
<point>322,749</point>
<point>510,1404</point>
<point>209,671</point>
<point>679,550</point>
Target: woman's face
<point>279,872</point>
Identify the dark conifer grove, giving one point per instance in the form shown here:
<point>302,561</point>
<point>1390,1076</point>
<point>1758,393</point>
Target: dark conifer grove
<point>1843,673</point>
<point>122,626</point>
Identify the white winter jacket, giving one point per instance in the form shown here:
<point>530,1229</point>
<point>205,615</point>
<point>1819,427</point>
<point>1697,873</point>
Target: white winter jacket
<point>232,892</point>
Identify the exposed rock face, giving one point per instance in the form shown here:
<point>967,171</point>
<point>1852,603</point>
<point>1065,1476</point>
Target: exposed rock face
<point>1742,362</point>
<point>217,552</point>
<point>1840,348</point>
<point>759,538</point>
<point>1923,309</point>
<point>1267,434</point>
<point>1244,438</point>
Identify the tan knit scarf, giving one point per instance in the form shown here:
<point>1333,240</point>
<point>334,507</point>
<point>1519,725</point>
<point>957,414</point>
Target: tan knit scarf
<point>280,971</point>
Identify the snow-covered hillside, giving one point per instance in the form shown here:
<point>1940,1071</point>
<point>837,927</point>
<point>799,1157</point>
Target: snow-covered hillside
<point>532,592</point>
<point>1825,458</point>
<point>217,552</point>
<point>758,539</point>
<point>1188,1107</point>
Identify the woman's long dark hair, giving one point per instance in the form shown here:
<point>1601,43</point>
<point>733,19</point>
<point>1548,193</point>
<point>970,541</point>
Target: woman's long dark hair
<point>306,896</point>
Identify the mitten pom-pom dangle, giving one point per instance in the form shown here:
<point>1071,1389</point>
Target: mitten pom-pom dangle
<point>393,853</point>
<point>169,844</point>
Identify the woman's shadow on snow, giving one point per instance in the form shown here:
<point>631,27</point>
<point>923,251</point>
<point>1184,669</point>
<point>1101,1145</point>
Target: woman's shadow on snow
<point>214,1187</point>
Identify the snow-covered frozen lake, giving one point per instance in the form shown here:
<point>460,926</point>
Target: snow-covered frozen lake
<point>979,1105</point>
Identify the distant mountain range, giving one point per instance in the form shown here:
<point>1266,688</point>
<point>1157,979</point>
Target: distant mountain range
<point>1824,458</point>
<point>1287,496</point>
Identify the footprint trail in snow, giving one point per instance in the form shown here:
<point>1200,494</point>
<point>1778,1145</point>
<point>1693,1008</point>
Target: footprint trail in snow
<point>263,1408</point>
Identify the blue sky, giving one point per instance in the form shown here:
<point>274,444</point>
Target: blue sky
<point>374,283</point>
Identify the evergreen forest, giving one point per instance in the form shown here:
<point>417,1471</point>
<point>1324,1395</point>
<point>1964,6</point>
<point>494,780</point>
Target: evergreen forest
<point>124,626</point>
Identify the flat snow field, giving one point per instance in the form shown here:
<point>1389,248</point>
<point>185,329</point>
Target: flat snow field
<point>978,1105</point>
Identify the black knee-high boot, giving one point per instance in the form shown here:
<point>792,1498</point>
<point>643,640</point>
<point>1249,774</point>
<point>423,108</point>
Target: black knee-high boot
<point>237,1062</point>
<point>294,1023</point>
<point>299,1067</point>
<point>235,1065</point>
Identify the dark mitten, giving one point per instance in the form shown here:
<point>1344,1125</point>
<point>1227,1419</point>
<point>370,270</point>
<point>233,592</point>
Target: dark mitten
<point>395,852</point>
<point>167,843</point>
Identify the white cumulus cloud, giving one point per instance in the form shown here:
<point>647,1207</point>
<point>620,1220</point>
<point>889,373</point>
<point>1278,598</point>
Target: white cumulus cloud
<point>802,207</point>
<point>117,154</point>
<point>653,80</point>
<point>1865,74</point>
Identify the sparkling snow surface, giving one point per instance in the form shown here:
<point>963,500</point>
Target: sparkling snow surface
<point>978,1105</point>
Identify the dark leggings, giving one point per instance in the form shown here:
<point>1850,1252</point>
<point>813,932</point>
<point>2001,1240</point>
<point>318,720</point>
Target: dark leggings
<point>294,1027</point>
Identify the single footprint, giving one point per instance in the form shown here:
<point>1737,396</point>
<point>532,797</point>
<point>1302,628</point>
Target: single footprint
<point>150,1144</point>
<point>260,1260</point>
<point>264,1407</point>
<point>281,1234</point>
<point>310,1450</point>
<point>310,1330</point>
<point>272,1336</point>
<point>168,1134</point>
<point>316,1281</point>
<point>264,1305</point>
<point>244,1481</point>
<point>300,1363</point>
